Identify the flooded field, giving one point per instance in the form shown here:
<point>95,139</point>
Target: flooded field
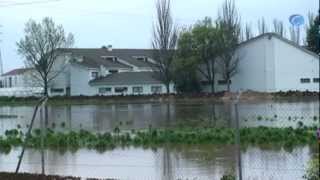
<point>102,118</point>
<point>170,162</point>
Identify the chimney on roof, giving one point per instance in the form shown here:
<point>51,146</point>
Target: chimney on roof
<point>109,47</point>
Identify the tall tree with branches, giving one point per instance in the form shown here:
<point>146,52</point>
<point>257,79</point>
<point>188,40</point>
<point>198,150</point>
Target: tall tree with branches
<point>40,47</point>
<point>294,34</point>
<point>278,27</point>
<point>198,50</point>
<point>248,32</point>
<point>262,26</point>
<point>165,37</point>
<point>229,26</point>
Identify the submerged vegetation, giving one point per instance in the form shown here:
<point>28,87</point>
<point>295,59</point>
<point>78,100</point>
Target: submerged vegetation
<point>285,137</point>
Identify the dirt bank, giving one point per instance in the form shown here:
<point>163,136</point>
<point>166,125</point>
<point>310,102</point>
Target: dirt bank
<point>26,176</point>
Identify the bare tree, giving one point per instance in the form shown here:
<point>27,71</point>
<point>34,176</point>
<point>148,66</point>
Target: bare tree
<point>165,37</point>
<point>40,47</point>
<point>230,28</point>
<point>248,32</point>
<point>295,34</point>
<point>262,26</point>
<point>278,27</point>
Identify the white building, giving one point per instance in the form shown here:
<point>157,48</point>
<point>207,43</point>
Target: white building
<point>271,63</point>
<point>18,82</point>
<point>107,71</point>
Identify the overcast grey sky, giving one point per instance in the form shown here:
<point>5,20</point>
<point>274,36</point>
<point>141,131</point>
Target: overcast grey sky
<point>124,23</point>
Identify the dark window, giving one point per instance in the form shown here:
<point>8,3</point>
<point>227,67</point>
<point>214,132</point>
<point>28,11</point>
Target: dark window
<point>113,71</point>
<point>94,75</point>
<point>111,58</point>
<point>57,90</point>
<point>104,90</point>
<point>120,89</point>
<point>223,82</point>
<point>156,89</point>
<point>137,89</point>
<point>10,82</point>
<point>205,83</point>
<point>142,59</point>
<point>305,80</point>
<point>316,80</point>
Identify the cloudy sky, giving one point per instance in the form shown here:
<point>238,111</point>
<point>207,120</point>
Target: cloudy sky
<point>124,23</point>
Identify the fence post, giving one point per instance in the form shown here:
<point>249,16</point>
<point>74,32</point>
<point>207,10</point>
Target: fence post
<point>42,139</point>
<point>28,134</point>
<point>238,147</point>
<point>237,134</point>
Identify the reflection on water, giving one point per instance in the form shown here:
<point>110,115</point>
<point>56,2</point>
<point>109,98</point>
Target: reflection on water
<point>100,118</point>
<point>185,162</point>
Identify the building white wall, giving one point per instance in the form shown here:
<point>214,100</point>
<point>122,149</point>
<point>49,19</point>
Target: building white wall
<point>269,64</point>
<point>79,81</point>
<point>292,64</point>
<point>21,85</point>
<point>252,74</point>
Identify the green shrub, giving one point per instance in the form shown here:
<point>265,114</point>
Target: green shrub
<point>259,118</point>
<point>228,177</point>
<point>313,169</point>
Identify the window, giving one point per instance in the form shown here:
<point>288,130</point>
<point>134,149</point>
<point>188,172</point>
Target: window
<point>57,90</point>
<point>120,89</point>
<point>142,58</point>
<point>223,82</point>
<point>15,81</point>
<point>156,89</point>
<point>113,71</point>
<point>10,82</point>
<point>137,89</point>
<point>305,80</point>
<point>110,58</point>
<point>316,80</point>
<point>104,90</point>
<point>94,75</point>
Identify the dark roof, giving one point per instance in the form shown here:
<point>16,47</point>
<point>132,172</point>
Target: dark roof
<point>127,78</point>
<point>93,57</point>
<point>16,71</point>
<point>282,39</point>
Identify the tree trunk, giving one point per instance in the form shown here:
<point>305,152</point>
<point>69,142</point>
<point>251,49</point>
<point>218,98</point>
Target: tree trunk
<point>212,86</point>
<point>213,78</point>
<point>168,88</point>
<point>45,90</point>
<point>228,83</point>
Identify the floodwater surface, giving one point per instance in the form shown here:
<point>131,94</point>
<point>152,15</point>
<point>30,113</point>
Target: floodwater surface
<point>102,118</point>
<point>179,162</point>
<point>169,162</point>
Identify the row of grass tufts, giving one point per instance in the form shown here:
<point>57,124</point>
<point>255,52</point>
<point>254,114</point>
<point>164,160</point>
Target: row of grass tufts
<point>287,137</point>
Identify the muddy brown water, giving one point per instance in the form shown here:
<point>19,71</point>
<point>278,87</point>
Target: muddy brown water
<point>174,162</point>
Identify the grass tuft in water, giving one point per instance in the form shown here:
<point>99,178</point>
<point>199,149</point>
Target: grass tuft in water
<point>73,140</point>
